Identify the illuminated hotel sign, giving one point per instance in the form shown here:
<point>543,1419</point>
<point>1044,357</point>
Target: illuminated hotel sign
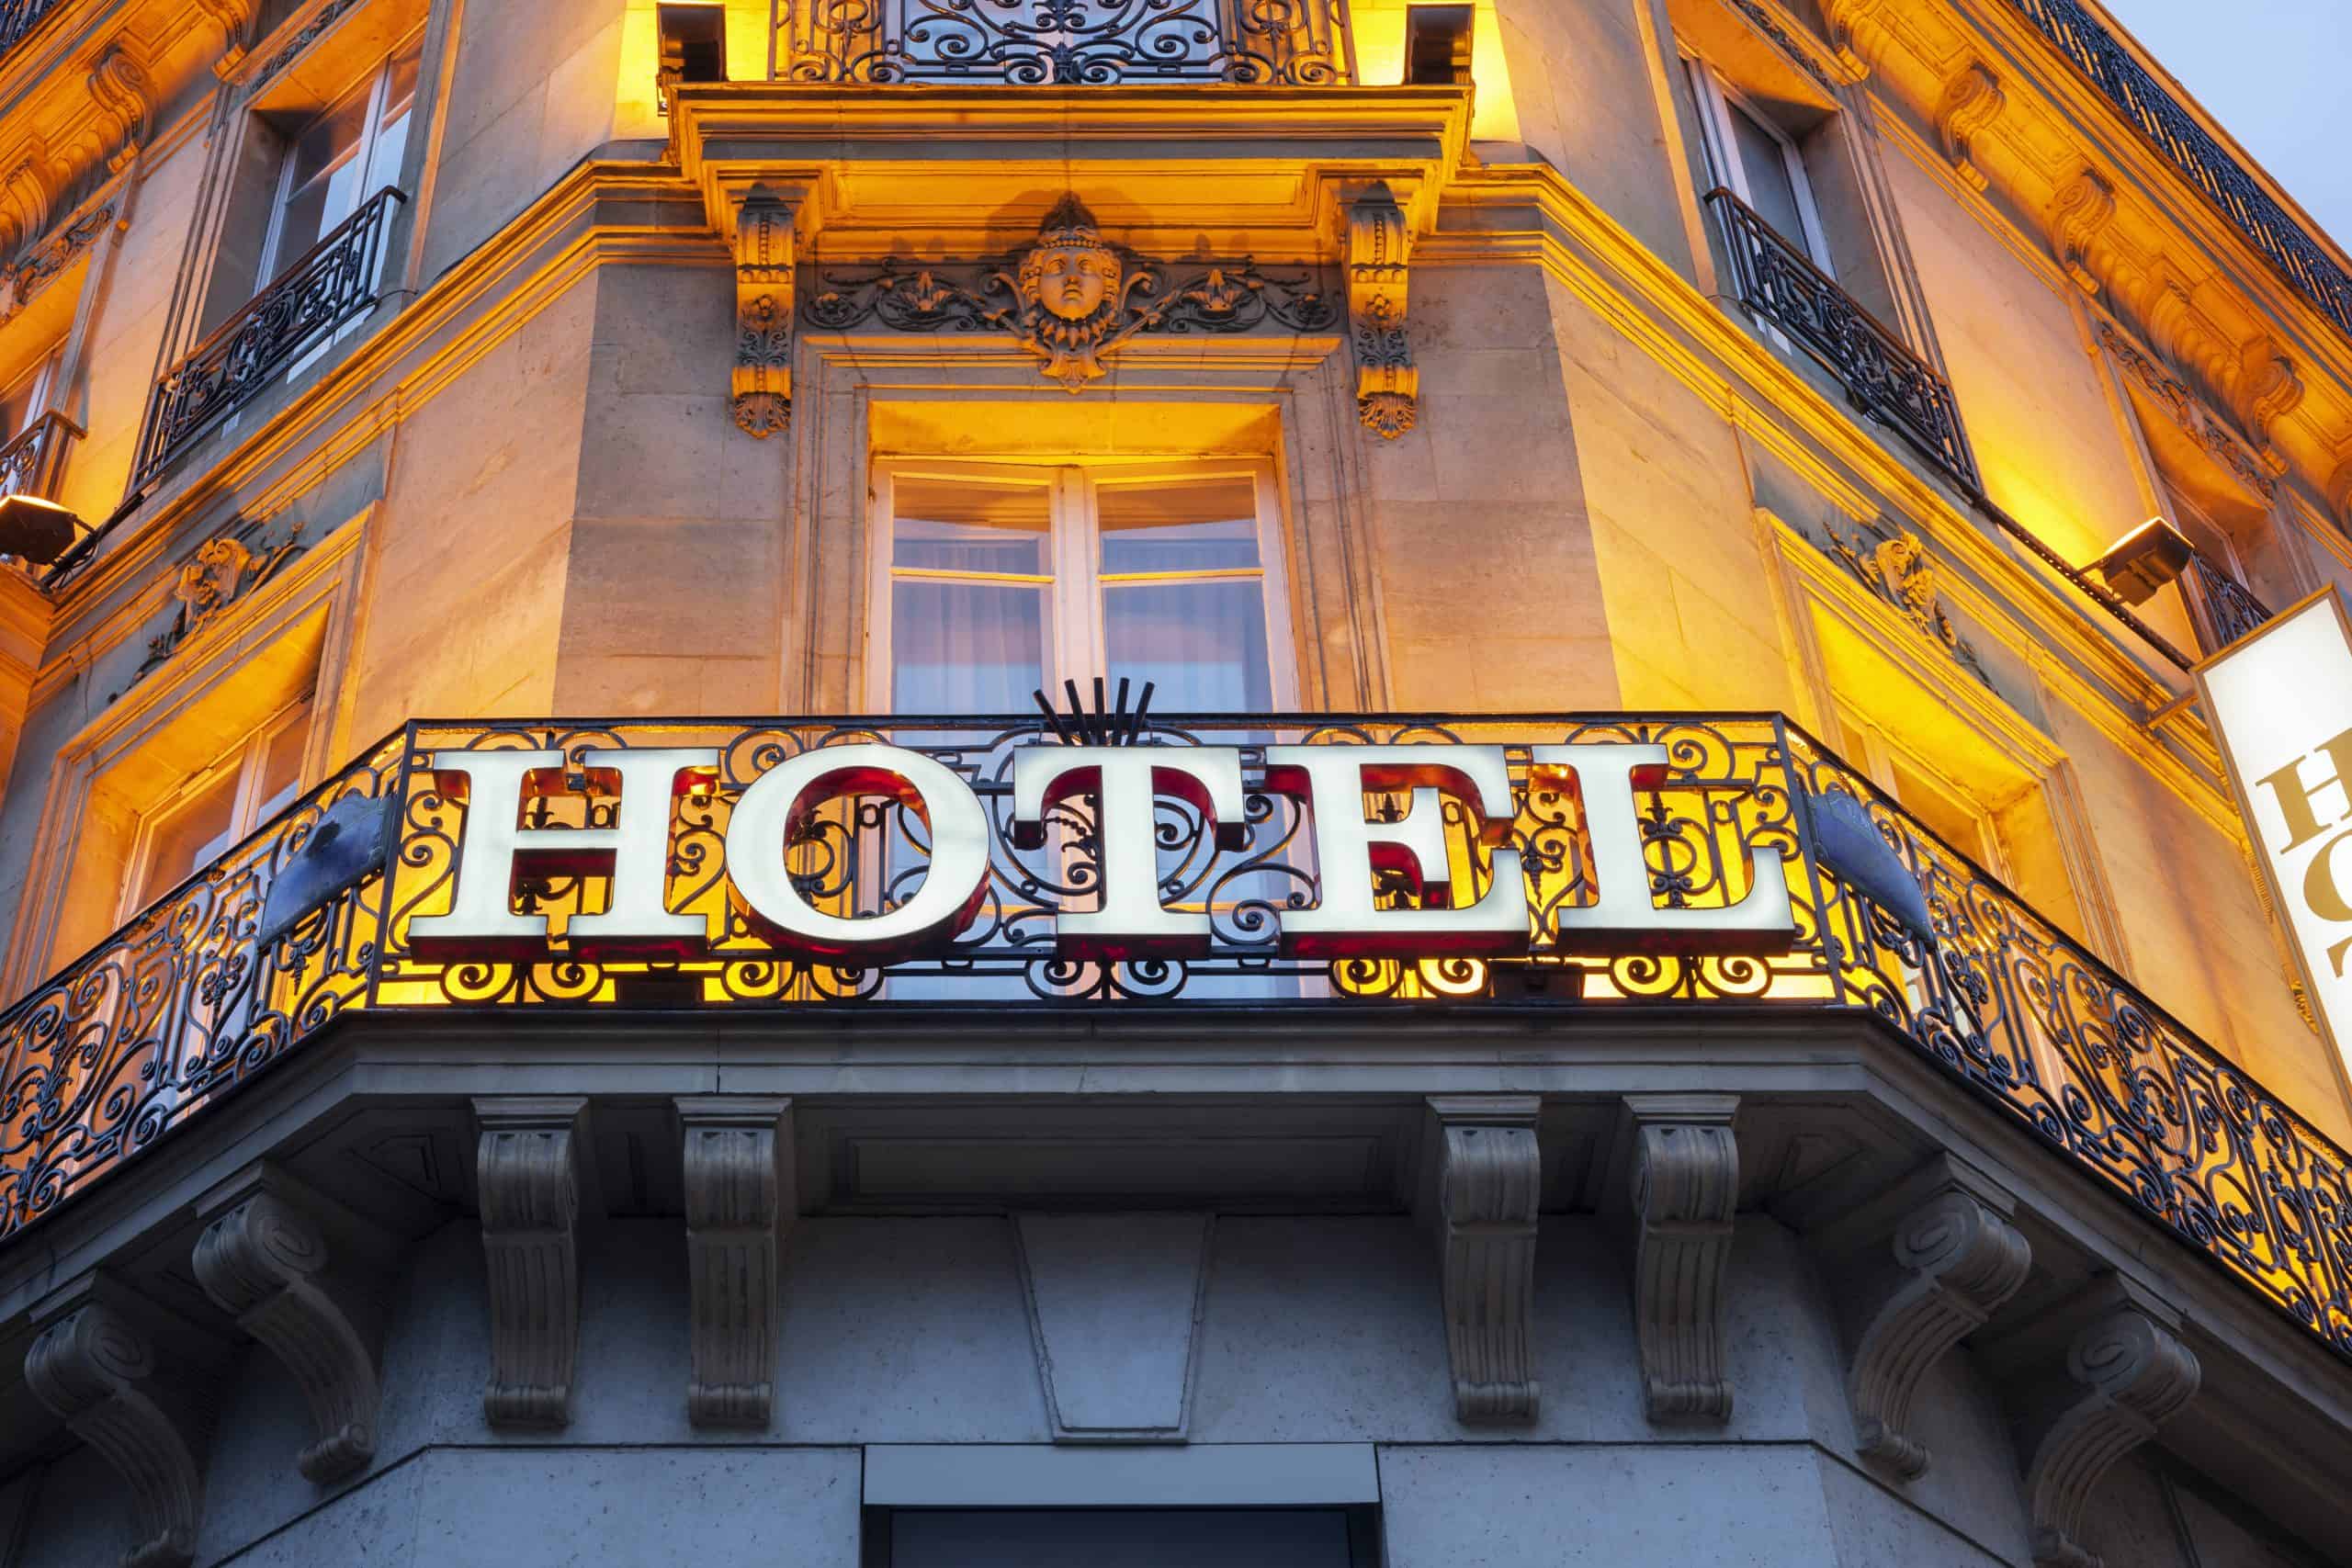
<point>2280,705</point>
<point>1361,855</point>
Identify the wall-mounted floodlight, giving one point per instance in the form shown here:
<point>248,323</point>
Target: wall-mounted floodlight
<point>2144,560</point>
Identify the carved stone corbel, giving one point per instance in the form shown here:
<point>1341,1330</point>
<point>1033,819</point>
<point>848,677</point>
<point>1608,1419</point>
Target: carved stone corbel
<point>1957,1259</point>
<point>125,94</point>
<point>1859,32</point>
<point>1489,1178</point>
<point>96,1369</point>
<point>2267,388</point>
<point>2130,1375</point>
<point>25,197</point>
<point>264,1260</point>
<point>232,17</point>
<point>2186,335</point>
<point>2081,210</point>
<point>1387,385</point>
<point>527,1177</point>
<point>1972,101</point>
<point>1684,1178</point>
<point>762,400</point>
<point>740,1206</point>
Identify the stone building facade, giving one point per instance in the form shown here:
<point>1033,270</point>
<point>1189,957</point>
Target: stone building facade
<point>823,1109</point>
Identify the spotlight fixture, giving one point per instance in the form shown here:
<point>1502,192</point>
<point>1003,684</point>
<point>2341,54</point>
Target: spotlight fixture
<point>2144,560</point>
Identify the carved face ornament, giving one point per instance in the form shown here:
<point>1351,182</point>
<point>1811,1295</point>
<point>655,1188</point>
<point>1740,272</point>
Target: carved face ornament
<point>1072,288</point>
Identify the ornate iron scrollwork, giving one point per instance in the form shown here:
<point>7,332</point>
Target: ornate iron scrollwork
<point>330,283</point>
<point>149,1030</point>
<point>1882,376</point>
<point>1070,299</point>
<point>1063,42</point>
<point>2195,153</point>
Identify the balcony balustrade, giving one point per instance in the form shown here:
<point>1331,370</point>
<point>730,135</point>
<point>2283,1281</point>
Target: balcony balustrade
<point>1883,377</point>
<point>135,1041</point>
<point>1061,42</point>
<point>19,17</point>
<point>2222,608</point>
<point>2196,152</point>
<point>332,283</point>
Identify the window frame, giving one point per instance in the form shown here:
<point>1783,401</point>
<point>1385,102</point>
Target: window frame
<point>1879,750</point>
<point>1717,98</point>
<point>274,263</point>
<point>246,759</point>
<point>1074,644</point>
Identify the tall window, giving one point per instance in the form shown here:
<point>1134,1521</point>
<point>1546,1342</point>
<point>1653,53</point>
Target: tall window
<point>22,402</point>
<point>254,780</point>
<point>996,579</point>
<point>339,159</point>
<point>1756,161</point>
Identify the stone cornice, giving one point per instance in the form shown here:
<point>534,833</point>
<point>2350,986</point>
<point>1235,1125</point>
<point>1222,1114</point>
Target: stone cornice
<point>2152,244</point>
<point>1261,173</point>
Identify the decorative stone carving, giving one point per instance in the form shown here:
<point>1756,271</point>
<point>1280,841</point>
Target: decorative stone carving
<point>2267,388</point>
<point>95,1370</point>
<point>1490,1177</point>
<point>1388,384</point>
<point>2187,411</point>
<point>1070,291</point>
<point>125,94</point>
<point>25,197</point>
<point>2186,335</point>
<point>50,257</point>
<point>1972,101</point>
<point>1859,31</point>
<point>326,16</point>
<point>1685,1182</point>
<point>263,1260</point>
<point>1896,567</point>
<point>224,570</point>
<point>2081,210</point>
<point>1070,300</point>
<point>2133,1374</point>
<point>1770,26</point>
<point>1958,1258</point>
<point>527,1176</point>
<point>740,1206</point>
<point>762,400</point>
<point>232,17</point>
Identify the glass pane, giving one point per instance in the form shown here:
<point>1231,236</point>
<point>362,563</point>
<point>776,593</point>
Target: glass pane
<point>1130,1538</point>
<point>1199,525</point>
<point>17,403</point>
<point>281,769</point>
<point>1202,645</point>
<point>945,527</point>
<point>192,835</point>
<point>959,648</point>
<point>1770,189</point>
<point>391,137</point>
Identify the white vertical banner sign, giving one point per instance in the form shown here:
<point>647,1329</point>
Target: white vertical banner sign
<point>2280,702</point>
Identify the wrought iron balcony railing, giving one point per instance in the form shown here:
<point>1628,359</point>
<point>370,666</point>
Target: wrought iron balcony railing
<point>2193,151</point>
<point>2222,608</point>
<point>332,283</point>
<point>19,17</point>
<point>139,1038</point>
<point>1883,377</point>
<point>1041,42</point>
